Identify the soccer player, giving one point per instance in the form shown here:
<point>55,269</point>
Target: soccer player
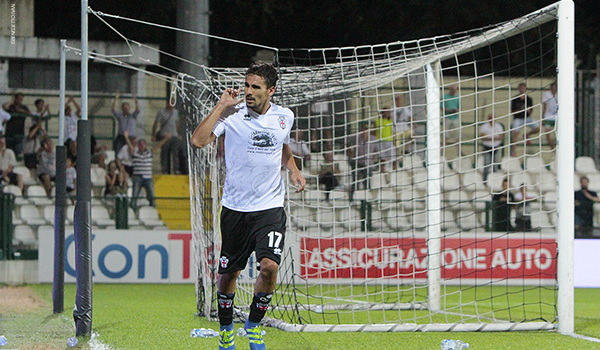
<point>257,134</point>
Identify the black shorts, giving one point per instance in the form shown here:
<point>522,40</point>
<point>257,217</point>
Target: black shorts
<point>244,232</point>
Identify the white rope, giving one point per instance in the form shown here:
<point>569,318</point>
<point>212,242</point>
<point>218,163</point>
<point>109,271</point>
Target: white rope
<point>101,14</point>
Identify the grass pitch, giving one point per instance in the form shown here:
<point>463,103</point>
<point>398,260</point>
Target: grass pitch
<point>161,317</point>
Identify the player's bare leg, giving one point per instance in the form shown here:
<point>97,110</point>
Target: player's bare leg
<point>263,291</point>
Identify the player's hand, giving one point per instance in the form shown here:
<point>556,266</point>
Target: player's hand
<point>230,97</point>
<point>298,180</point>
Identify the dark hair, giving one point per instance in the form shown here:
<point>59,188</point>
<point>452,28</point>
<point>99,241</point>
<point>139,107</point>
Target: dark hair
<point>44,141</point>
<point>19,94</point>
<point>265,71</point>
<point>38,101</point>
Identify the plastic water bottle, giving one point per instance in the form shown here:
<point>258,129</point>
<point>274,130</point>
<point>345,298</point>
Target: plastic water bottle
<point>451,344</point>
<point>72,341</point>
<point>241,332</point>
<point>3,340</point>
<point>203,333</point>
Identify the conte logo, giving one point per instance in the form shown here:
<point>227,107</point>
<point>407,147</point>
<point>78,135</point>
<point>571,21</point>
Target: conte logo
<point>262,138</point>
<point>224,261</point>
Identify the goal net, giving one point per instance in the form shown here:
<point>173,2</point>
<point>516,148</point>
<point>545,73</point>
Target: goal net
<point>432,195</point>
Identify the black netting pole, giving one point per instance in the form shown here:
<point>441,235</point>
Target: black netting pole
<point>83,233</point>
<point>58,286</point>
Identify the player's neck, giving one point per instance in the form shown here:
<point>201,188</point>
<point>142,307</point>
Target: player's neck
<point>262,109</point>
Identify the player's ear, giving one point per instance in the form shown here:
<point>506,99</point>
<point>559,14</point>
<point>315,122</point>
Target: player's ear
<point>271,90</point>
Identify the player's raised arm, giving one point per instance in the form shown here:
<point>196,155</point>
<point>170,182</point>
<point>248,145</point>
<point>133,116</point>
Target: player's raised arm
<point>203,134</point>
<point>287,159</point>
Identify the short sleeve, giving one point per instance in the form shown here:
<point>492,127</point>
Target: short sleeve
<point>287,137</point>
<point>219,128</point>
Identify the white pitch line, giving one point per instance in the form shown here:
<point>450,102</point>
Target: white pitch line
<point>584,337</point>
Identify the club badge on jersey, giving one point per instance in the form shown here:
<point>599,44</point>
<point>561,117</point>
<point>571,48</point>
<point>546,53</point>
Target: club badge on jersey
<point>282,122</point>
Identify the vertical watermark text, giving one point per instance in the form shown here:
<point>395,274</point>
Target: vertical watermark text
<point>13,22</point>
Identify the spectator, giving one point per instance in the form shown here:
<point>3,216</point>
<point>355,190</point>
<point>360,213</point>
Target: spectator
<point>584,209</point>
<point>4,118</point>
<point>71,180</point>
<point>116,180</point>
<point>299,148</point>
<point>15,127</point>
<point>523,209</point>
<point>503,202</point>
<point>327,174</point>
<point>46,168</point>
<point>124,156</point>
<point>7,164</point>
<point>521,107</point>
<point>142,169</point>
<point>451,120</point>
<point>127,122</point>
<point>492,138</point>
<point>167,122</point>
<point>98,155</point>
<point>385,134</point>
<point>321,123</point>
<point>402,126</point>
<point>71,146</point>
<point>362,152</point>
<point>32,143</point>
<point>71,119</point>
<point>42,111</point>
<point>549,113</point>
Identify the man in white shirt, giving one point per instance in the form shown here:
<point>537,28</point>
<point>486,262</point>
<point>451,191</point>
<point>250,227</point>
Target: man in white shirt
<point>7,164</point>
<point>492,136</point>
<point>549,113</point>
<point>252,218</point>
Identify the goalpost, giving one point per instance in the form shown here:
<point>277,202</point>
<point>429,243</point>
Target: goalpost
<point>408,233</point>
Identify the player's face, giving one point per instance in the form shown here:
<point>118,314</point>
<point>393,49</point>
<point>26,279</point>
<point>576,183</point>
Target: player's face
<point>257,93</point>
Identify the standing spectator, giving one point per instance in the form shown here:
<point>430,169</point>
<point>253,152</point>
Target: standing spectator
<point>7,163</point>
<point>385,134</point>
<point>15,127</point>
<point>492,137</point>
<point>451,120</point>
<point>32,143</point>
<point>142,170</point>
<point>127,121</point>
<point>328,173</point>
<point>523,209</point>
<point>116,180</point>
<point>46,168</point>
<point>71,180</point>
<point>124,156</point>
<point>321,124</point>
<point>4,118</point>
<point>521,107</point>
<point>584,209</point>
<point>71,119</point>
<point>42,111</point>
<point>362,152</point>
<point>549,113</point>
<point>299,148</point>
<point>167,122</point>
<point>402,126</point>
<point>503,202</point>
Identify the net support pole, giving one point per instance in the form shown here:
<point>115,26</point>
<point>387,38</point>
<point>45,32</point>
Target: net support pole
<point>434,271</point>
<point>565,135</point>
<point>58,284</point>
<point>82,313</point>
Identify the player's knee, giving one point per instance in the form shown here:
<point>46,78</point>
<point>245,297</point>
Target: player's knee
<point>268,268</point>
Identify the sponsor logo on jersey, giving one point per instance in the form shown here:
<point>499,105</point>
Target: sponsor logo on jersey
<point>224,262</point>
<point>277,251</point>
<point>282,122</point>
<point>261,138</point>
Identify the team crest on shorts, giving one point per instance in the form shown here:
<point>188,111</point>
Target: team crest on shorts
<point>224,262</point>
<point>282,122</point>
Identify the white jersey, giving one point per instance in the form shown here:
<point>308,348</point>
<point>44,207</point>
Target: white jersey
<point>551,105</point>
<point>253,153</point>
